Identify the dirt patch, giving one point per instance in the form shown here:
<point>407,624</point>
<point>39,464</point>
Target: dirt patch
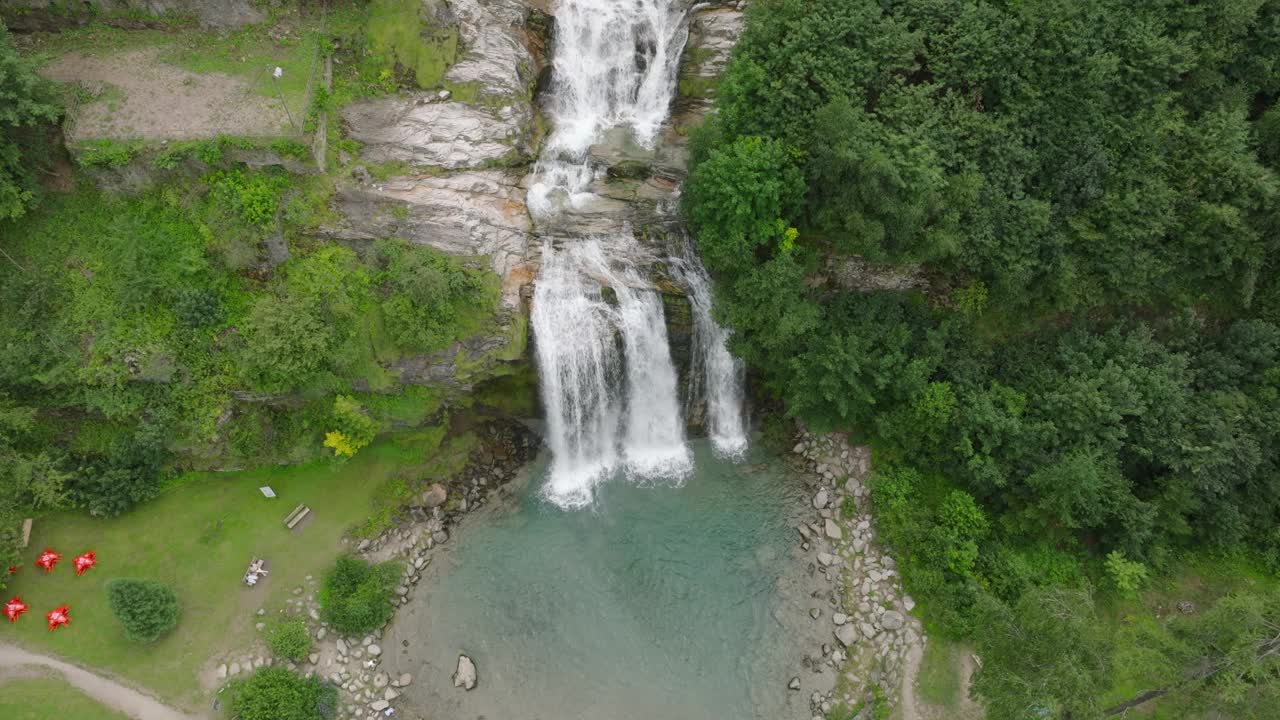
<point>138,95</point>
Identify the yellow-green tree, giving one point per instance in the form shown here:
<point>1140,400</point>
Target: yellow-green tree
<point>354,428</point>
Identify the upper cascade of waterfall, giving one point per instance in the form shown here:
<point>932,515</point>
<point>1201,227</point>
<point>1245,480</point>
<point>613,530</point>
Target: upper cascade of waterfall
<point>614,66</point>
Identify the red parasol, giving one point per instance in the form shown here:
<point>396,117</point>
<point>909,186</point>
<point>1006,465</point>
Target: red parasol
<point>14,608</point>
<point>48,559</point>
<point>58,617</point>
<point>84,562</point>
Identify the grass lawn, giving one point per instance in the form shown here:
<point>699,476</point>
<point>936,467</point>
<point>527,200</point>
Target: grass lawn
<point>198,537</point>
<point>44,698</point>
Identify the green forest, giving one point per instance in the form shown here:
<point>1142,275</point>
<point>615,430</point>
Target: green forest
<point>1077,397</point>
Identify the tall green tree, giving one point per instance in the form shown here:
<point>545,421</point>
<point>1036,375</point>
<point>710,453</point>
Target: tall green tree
<point>27,102</point>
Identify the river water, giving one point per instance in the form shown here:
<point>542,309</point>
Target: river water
<point>671,603</point>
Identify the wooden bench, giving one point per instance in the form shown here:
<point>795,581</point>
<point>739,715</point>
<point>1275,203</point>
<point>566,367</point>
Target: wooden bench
<point>296,516</point>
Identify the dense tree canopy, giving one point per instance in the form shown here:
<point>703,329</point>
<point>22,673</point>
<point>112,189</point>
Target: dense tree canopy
<point>1080,382</point>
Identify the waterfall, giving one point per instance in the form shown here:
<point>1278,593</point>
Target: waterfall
<point>585,395</point>
<point>608,383</point>
<point>716,376</point>
<point>578,363</point>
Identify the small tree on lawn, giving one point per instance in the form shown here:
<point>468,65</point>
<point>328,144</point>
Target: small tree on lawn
<point>355,429</point>
<point>146,608</point>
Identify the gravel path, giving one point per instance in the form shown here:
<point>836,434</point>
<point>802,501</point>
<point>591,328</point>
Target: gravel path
<point>108,692</point>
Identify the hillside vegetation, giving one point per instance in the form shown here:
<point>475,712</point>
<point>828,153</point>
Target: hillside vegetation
<point>1075,401</point>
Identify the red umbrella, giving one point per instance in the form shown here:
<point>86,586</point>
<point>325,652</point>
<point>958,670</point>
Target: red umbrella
<point>84,562</point>
<point>14,608</point>
<point>58,617</point>
<point>48,559</point>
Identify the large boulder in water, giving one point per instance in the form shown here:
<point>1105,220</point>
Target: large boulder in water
<point>465,676</point>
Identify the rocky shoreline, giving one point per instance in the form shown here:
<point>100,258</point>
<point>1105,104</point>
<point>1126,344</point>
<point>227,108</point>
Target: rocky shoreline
<point>872,630</point>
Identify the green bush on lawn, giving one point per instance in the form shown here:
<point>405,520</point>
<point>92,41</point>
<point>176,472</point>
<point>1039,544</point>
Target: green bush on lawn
<point>146,608</point>
<point>274,693</point>
<point>290,640</point>
<point>356,596</point>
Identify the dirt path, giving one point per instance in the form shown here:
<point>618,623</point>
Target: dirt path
<point>910,671</point>
<point>912,707</point>
<point>108,692</point>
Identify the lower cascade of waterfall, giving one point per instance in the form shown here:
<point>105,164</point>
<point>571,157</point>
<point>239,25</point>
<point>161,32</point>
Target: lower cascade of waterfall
<point>608,383</point>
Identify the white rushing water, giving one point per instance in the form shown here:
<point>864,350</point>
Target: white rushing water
<point>608,382</point>
<point>587,400</point>
<point>716,376</point>
<point>615,66</point>
<point>578,364</point>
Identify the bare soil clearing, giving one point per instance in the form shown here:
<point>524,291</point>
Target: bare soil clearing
<point>138,95</point>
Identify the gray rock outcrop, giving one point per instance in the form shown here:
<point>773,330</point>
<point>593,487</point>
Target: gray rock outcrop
<point>448,135</point>
<point>469,213</point>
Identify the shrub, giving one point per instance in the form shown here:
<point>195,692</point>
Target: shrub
<point>274,693</point>
<point>146,608</point>
<point>254,197</point>
<point>356,596</point>
<point>30,101</point>
<point>285,343</point>
<point>290,640</point>
<point>198,308</point>
<point>108,153</point>
<point>1127,576</point>
<point>430,299</point>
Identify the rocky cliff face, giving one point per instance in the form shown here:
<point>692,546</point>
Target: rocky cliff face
<point>460,151</point>
<point>462,162</point>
